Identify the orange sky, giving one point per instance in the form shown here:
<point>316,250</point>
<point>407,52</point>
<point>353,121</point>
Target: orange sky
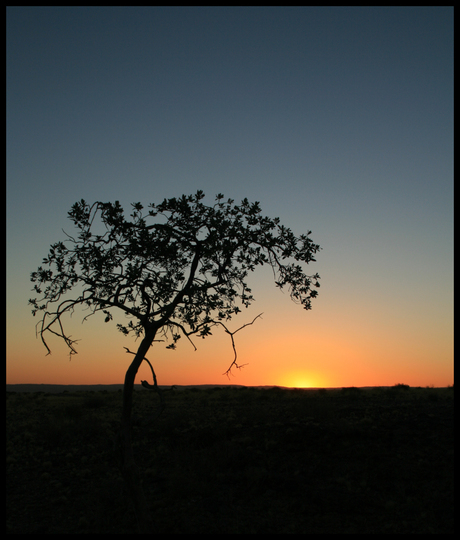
<point>288,346</point>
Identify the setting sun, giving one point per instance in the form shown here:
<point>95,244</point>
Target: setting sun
<point>301,381</point>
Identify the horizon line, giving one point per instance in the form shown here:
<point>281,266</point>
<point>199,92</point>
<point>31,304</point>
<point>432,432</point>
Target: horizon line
<point>24,387</point>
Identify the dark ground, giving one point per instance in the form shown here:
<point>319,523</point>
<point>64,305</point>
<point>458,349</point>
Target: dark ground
<point>237,460</point>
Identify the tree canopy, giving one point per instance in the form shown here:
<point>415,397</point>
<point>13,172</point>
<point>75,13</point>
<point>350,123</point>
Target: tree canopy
<point>176,268</point>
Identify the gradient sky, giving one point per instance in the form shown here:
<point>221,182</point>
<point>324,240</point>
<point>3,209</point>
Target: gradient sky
<point>338,120</point>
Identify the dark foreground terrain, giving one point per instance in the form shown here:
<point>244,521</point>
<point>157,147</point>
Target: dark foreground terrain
<point>236,460</point>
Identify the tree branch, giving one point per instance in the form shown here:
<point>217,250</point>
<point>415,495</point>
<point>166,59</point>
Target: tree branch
<point>187,334</point>
<point>231,334</point>
<point>169,310</point>
<point>56,318</point>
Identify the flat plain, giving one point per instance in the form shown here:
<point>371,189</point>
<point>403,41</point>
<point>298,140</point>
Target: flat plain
<point>235,460</point>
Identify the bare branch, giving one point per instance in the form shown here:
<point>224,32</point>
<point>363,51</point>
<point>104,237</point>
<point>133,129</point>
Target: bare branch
<point>69,342</point>
<point>56,319</point>
<point>231,334</point>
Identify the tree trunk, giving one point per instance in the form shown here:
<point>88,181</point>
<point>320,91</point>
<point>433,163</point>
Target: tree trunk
<point>128,466</point>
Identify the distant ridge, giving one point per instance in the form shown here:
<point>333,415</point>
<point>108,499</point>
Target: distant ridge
<point>59,388</point>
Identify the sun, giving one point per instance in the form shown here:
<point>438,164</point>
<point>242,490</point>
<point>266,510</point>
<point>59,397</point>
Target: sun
<point>303,383</point>
<point>300,381</point>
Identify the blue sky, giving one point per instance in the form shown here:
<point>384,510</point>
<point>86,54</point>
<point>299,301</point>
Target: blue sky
<point>338,120</point>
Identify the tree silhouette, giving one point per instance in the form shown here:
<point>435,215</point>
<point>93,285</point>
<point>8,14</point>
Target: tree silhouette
<point>178,269</point>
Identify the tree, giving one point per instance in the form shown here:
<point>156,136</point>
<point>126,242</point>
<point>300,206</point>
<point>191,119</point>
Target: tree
<point>178,269</point>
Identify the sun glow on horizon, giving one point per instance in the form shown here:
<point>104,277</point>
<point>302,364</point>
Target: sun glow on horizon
<point>302,381</point>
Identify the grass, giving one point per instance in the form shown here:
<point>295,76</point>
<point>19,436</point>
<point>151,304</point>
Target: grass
<point>236,460</point>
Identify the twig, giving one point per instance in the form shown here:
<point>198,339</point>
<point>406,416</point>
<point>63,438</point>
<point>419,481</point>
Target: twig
<point>231,334</point>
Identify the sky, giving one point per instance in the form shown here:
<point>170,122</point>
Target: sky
<point>337,120</point>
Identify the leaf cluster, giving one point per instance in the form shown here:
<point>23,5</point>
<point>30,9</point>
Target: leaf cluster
<point>178,267</point>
